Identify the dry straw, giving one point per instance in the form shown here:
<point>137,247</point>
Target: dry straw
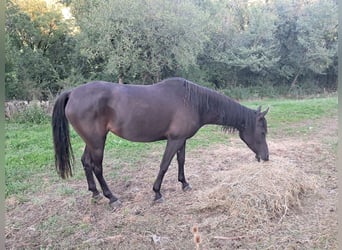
<point>256,194</point>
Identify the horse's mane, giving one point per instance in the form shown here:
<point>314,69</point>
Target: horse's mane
<point>232,115</point>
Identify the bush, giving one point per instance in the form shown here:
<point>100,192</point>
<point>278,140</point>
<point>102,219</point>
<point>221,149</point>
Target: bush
<point>273,91</point>
<point>253,92</point>
<point>32,114</point>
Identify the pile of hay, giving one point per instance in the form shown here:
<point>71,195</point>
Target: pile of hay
<point>256,194</point>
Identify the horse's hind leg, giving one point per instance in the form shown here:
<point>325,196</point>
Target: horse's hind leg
<point>113,201</point>
<point>181,176</point>
<point>88,169</point>
<point>93,164</point>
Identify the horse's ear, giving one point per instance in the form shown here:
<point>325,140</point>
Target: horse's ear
<point>258,109</point>
<point>264,113</point>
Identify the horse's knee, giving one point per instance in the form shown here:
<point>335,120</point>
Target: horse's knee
<point>181,159</point>
<point>86,161</point>
<point>98,171</point>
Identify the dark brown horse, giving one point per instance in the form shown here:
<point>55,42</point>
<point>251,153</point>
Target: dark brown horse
<point>173,110</point>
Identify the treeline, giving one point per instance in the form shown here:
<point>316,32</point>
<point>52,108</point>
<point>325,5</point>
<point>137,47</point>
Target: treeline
<point>284,44</point>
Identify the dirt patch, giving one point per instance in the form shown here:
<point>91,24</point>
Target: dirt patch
<point>236,202</point>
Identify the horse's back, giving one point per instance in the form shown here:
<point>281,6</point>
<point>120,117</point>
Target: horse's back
<point>134,112</point>
<point>174,87</point>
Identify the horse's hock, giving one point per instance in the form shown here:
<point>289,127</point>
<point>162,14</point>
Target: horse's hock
<point>14,107</point>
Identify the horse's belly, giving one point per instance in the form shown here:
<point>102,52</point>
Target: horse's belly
<point>141,129</point>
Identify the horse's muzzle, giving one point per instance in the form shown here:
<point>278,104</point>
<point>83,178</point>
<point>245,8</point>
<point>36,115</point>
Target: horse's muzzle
<point>264,158</point>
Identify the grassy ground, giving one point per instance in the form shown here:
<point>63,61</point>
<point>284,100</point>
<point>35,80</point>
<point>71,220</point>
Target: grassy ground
<point>31,181</point>
<point>29,150</point>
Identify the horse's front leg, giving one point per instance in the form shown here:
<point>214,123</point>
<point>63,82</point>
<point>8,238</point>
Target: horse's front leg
<point>172,147</point>
<point>181,176</point>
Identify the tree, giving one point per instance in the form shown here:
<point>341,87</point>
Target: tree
<point>307,34</point>
<point>242,47</point>
<point>318,36</point>
<point>223,43</point>
<point>37,37</point>
<point>140,40</point>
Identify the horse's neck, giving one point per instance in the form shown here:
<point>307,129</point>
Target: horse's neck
<point>227,113</point>
<point>215,108</point>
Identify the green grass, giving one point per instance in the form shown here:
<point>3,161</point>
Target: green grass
<point>29,151</point>
<point>286,115</point>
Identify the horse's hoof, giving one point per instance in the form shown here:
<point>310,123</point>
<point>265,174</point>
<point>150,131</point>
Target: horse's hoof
<point>96,198</point>
<point>159,200</point>
<point>187,188</point>
<point>115,204</point>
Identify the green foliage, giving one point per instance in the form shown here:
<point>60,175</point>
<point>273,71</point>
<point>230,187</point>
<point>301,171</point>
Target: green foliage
<point>32,114</point>
<point>306,89</point>
<point>278,42</point>
<point>140,41</point>
<point>253,92</point>
<point>38,41</point>
<point>306,32</point>
<point>262,45</point>
<point>242,49</point>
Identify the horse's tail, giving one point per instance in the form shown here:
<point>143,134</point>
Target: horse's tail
<point>64,156</point>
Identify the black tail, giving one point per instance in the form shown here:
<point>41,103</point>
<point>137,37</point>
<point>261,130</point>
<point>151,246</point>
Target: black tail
<point>61,140</point>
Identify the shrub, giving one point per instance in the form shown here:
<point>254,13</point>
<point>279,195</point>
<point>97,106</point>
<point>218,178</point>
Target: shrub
<point>31,114</point>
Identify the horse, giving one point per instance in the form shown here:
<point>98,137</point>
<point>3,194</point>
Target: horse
<point>173,110</point>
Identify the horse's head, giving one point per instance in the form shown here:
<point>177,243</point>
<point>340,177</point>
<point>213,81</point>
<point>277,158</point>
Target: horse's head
<point>255,136</point>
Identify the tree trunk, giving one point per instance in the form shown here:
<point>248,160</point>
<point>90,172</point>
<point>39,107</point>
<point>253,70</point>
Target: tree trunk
<point>121,80</point>
<point>293,83</point>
